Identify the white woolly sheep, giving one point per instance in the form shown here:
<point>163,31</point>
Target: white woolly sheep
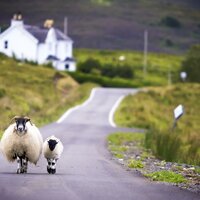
<point>52,150</point>
<point>22,141</point>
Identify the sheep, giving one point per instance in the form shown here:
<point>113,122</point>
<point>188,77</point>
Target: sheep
<point>52,150</point>
<point>22,141</point>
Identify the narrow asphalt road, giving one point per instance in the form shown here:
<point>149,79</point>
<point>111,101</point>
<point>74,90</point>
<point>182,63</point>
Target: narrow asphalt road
<point>85,170</point>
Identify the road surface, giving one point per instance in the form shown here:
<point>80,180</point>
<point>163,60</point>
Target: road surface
<point>86,170</point>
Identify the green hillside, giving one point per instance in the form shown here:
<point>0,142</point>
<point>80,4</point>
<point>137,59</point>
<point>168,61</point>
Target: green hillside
<point>39,92</point>
<point>153,109</point>
<point>173,25</point>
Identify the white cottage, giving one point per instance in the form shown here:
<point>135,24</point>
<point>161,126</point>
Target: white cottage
<point>41,45</point>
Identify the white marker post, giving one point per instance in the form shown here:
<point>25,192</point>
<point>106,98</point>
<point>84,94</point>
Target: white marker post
<point>178,112</point>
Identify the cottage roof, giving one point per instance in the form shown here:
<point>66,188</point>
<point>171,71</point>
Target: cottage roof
<point>52,58</point>
<point>70,59</point>
<point>41,33</point>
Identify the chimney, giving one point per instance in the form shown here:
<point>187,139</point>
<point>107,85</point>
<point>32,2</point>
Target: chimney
<point>17,20</point>
<point>48,23</point>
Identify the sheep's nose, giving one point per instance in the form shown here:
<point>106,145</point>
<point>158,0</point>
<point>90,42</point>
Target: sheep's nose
<point>20,129</point>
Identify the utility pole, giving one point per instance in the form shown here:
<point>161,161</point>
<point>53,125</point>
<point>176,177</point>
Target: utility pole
<point>145,52</point>
<point>65,25</point>
<point>169,78</point>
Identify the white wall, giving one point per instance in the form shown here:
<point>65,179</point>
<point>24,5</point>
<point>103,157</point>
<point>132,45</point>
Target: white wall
<point>59,65</point>
<point>64,49</point>
<point>19,43</point>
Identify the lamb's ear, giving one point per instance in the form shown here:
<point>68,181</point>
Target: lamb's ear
<point>14,119</point>
<point>28,120</point>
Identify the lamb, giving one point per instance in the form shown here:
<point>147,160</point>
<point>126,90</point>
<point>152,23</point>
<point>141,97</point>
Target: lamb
<point>22,141</point>
<point>52,150</point>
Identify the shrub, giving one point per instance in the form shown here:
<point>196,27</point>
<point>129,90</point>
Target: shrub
<point>88,65</point>
<point>170,22</point>
<point>191,64</point>
<point>102,80</point>
<point>94,66</point>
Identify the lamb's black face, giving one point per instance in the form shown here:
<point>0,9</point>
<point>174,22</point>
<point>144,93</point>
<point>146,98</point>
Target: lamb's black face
<point>52,144</point>
<point>21,125</point>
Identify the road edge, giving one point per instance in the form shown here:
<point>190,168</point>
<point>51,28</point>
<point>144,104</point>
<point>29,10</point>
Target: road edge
<point>69,111</point>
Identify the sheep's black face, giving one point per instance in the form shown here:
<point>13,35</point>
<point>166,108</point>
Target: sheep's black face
<point>52,144</point>
<point>21,125</point>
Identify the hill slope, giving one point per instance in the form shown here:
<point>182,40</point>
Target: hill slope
<point>116,24</point>
<point>39,92</point>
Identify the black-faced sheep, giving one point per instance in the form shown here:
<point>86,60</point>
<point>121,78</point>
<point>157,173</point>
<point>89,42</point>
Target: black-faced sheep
<point>22,141</point>
<point>52,150</point>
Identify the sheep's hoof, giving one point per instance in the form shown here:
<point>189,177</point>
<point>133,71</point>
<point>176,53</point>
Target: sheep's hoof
<point>20,171</point>
<point>49,170</point>
<point>53,171</point>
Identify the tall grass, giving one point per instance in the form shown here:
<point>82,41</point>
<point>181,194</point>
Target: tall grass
<point>153,110</point>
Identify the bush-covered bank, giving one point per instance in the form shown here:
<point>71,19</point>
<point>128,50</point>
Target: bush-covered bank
<point>104,81</point>
<point>127,66</point>
<point>153,110</point>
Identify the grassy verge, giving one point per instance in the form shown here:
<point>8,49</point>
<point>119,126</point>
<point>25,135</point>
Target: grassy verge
<point>153,110</point>
<point>129,149</point>
<point>166,176</point>
<point>36,91</point>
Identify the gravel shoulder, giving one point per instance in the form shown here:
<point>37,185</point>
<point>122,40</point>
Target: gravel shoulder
<point>147,163</point>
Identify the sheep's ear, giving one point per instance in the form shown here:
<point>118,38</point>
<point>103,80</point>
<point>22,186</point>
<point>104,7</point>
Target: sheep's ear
<point>14,119</point>
<point>28,120</point>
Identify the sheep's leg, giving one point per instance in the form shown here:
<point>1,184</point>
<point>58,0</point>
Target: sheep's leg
<point>19,165</point>
<point>25,165</point>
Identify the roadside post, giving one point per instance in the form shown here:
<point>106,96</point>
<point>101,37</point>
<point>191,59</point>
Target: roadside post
<point>183,76</point>
<point>178,112</point>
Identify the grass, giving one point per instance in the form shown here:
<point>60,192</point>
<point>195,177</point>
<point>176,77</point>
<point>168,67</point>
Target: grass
<point>158,65</point>
<point>119,139</point>
<point>153,110</point>
<point>135,156</point>
<point>166,176</point>
<point>37,91</point>
<point>120,143</point>
<point>132,163</point>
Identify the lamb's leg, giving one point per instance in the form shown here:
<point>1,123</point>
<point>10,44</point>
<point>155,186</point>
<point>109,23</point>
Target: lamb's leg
<point>49,166</point>
<point>53,166</point>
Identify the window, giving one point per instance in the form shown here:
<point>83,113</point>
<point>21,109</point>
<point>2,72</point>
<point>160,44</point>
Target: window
<point>6,44</point>
<point>66,66</point>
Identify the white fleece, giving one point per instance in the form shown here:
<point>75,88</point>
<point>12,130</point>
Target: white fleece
<point>56,153</point>
<point>31,143</point>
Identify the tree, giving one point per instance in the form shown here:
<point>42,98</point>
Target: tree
<point>191,64</point>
